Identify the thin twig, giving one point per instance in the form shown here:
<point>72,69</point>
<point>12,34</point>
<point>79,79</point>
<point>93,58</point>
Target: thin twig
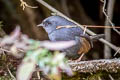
<point>38,74</point>
<point>24,5</point>
<point>88,26</point>
<point>87,30</point>
<point>111,77</point>
<point>5,50</point>
<point>94,26</point>
<point>11,74</point>
<point>104,11</point>
<point>99,78</point>
<point>117,52</point>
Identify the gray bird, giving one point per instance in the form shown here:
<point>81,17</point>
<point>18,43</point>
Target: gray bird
<point>61,29</point>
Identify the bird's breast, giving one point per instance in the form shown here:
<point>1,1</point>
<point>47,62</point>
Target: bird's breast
<point>61,35</point>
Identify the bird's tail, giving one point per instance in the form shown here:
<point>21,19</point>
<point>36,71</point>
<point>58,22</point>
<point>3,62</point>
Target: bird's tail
<point>93,38</point>
<point>96,37</point>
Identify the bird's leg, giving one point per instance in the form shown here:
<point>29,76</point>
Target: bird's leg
<point>79,59</point>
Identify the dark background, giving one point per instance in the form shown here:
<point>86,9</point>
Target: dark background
<point>86,12</point>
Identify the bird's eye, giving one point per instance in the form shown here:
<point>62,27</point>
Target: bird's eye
<point>47,23</point>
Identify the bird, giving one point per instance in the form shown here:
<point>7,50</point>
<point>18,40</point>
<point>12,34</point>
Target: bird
<point>59,28</point>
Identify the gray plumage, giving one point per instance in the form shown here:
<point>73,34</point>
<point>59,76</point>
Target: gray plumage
<point>64,34</point>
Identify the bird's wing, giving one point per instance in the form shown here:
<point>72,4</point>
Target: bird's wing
<point>75,30</point>
<point>85,46</point>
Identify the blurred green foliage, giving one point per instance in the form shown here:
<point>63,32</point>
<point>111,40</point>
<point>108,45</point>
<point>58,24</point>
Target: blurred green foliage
<point>50,63</point>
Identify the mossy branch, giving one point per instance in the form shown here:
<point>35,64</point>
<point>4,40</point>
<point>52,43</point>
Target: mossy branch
<point>93,66</point>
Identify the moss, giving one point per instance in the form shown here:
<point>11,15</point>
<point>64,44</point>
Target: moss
<point>5,78</point>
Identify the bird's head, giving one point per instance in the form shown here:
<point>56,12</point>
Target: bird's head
<point>50,23</point>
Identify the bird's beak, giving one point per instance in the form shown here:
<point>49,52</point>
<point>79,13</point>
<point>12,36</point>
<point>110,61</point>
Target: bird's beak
<point>40,25</point>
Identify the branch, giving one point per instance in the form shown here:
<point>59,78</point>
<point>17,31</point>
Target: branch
<point>110,8</point>
<point>87,30</point>
<point>94,26</point>
<point>108,65</point>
